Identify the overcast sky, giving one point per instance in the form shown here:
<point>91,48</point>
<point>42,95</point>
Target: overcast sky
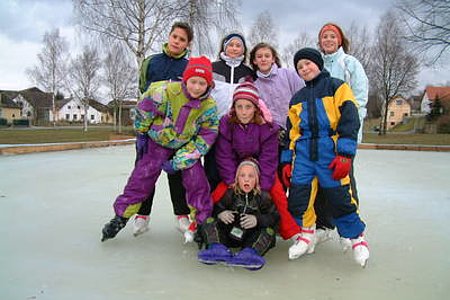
<point>24,22</point>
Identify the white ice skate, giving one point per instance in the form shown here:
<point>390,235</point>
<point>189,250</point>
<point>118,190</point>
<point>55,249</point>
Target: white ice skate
<point>323,235</point>
<point>140,224</point>
<point>305,243</point>
<point>189,234</point>
<point>182,223</point>
<point>360,250</point>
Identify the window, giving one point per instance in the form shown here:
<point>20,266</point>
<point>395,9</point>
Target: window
<point>392,123</point>
<point>67,116</point>
<point>78,107</point>
<point>68,106</point>
<point>82,117</point>
<point>75,117</point>
<point>391,113</point>
<point>92,117</point>
<point>399,102</point>
<point>405,114</point>
<point>29,114</point>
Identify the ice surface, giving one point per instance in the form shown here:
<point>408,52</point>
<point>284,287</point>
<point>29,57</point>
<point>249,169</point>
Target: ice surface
<point>54,205</point>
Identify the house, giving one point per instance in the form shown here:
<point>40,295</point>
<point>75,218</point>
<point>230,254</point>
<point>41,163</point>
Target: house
<point>9,110</point>
<point>35,105</point>
<point>432,93</point>
<point>398,109</point>
<point>127,110</point>
<point>72,110</point>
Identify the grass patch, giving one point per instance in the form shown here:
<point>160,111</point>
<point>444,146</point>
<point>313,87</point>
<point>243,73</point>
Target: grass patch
<point>64,134</point>
<point>60,135</point>
<point>404,138</point>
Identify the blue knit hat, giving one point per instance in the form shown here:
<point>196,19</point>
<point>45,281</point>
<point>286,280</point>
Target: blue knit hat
<point>310,54</point>
<point>229,37</point>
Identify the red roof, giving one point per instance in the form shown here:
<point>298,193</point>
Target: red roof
<point>441,92</point>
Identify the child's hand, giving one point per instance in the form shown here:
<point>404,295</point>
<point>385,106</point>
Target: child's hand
<point>168,168</point>
<point>248,221</point>
<point>226,216</point>
<point>341,167</point>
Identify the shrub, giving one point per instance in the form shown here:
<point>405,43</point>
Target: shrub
<point>21,122</point>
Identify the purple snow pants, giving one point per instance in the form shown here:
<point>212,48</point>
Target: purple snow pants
<point>143,178</point>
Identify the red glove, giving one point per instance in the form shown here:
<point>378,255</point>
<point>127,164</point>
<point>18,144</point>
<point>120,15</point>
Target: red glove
<point>286,174</point>
<point>341,167</point>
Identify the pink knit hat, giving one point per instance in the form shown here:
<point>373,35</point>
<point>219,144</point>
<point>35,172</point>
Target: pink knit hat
<point>248,91</point>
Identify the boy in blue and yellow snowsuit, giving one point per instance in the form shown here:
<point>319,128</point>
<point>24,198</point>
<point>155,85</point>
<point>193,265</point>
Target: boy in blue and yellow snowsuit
<point>323,126</point>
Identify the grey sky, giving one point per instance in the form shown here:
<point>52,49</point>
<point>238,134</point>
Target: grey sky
<point>24,22</point>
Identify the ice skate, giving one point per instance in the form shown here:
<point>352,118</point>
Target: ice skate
<point>360,250</point>
<point>216,253</point>
<point>323,235</point>
<point>140,224</point>
<point>189,234</point>
<point>111,228</point>
<point>346,244</point>
<point>247,258</point>
<point>182,223</point>
<point>304,244</point>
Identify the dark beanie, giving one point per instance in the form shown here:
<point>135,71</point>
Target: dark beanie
<point>310,54</point>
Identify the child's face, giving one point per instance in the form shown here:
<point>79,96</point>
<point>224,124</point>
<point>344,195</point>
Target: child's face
<point>178,41</point>
<point>307,69</point>
<point>245,110</point>
<point>234,48</point>
<point>264,60</point>
<point>329,42</point>
<point>247,178</point>
<point>196,86</point>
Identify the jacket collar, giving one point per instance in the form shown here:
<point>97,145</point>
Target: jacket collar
<point>165,49</point>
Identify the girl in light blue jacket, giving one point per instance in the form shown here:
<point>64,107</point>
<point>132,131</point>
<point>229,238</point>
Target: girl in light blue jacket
<point>334,45</point>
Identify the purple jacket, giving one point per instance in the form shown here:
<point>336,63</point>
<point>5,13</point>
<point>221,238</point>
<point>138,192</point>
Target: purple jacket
<point>277,90</point>
<point>237,142</point>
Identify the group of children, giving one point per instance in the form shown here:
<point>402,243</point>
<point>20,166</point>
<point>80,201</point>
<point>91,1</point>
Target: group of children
<point>235,118</point>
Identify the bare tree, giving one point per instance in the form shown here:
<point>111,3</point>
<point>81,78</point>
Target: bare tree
<point>50,71</point>
<point>263,30</point>
<point>428,25</point>
<point>394,68</point>
<point>136,23</point>
<point>120,80</point>
<point>84,78</point>
<point>360,43</point>
<point>204,15</point>
<point>302,40</point>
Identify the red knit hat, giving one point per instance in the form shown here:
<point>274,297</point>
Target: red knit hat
<point>247,91</point>
<point>198,66</point>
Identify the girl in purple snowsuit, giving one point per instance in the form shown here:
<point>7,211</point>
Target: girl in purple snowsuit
<point>181,121</point>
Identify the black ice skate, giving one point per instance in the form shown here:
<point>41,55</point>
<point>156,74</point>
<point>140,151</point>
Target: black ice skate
<point>113,227</point>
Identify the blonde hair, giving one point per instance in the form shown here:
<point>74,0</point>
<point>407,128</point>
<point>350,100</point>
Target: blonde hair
<point>248,162</point>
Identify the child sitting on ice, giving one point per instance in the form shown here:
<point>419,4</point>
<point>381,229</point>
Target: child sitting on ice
<point>245,218</point>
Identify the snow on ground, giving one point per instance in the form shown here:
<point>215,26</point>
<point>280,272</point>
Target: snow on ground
<point>54,205</point>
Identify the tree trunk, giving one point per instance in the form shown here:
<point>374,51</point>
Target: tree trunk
<point>120,116</point>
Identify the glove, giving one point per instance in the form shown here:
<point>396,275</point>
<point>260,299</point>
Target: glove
<point>141,145</point>
<point>226,216</point>
<point>168,168</point>
<point>248,221</point>
<point>286,173</point>
<point>341,167</point>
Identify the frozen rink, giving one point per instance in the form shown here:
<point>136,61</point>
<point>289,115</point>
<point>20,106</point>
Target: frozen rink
<point>55,204</point>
